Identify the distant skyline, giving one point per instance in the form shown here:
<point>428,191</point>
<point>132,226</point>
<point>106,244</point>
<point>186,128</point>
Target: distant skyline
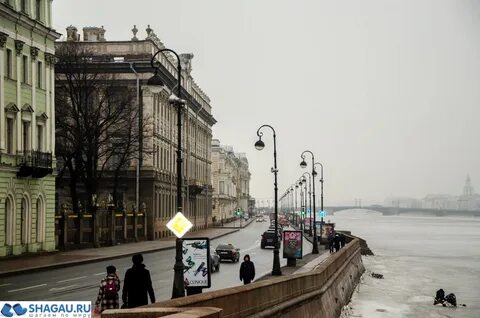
<point>385,93</point>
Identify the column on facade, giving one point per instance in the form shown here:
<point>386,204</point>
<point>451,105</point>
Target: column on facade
<point>48,133</point>
<point>18,118</point>
<point>33,123</point>
<point>3,41</point>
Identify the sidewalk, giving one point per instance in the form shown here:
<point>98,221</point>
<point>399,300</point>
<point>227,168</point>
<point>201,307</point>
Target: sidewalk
<point>235,224</point>
<point>31,263</point>
<point>308,263</point>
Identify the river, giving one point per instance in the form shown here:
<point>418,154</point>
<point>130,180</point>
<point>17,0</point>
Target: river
<point>417,255</point>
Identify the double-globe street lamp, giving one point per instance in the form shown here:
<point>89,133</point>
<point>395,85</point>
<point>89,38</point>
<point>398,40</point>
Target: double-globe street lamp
<point>178,283</point>
<point>259,145</point>
<point>303,165</point>
<point>321,196</point>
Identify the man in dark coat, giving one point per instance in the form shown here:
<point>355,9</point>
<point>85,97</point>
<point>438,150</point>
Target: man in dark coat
<point>331,241</point>
<point>336,241</point>
<point>137,284</point>
<point>247,270</point>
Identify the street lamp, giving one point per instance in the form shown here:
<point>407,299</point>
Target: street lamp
<point>321,197</point>
<point>303,180</point>
<point>259,145</point>
<point>309,198</point>
<point>178,283</point>
<point>301,204</point>
<point>303,164</point>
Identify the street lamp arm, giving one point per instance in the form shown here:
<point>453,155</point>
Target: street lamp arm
<point>306,151</point>
<point>179,68</point>
<point>321,170</point>
<point>260,133</point>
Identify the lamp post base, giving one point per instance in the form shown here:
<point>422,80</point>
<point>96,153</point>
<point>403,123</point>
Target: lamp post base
<point>276,271</point>
<point>178,284</point>
<point>315,245</point>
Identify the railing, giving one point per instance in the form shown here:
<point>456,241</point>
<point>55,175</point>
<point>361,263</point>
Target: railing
<point>35,159</point>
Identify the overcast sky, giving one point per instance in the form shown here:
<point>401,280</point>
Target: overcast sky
<point>385,93</point>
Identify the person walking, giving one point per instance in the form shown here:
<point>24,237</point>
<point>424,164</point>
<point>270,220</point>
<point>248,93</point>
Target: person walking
<point>247,270</point>
<point>336,241</point>
<point>108,293</point>
<point>331,241</point>
<point>137,285</point>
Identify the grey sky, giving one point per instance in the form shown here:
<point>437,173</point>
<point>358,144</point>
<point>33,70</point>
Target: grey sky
<point>385,93</point>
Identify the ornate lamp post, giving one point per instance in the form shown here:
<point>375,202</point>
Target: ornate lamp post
<point>301,204</point>
<point>259,145</point>
<point>178,284</point>
<point>321,196</point>
<point>303,164</point>
<point>309,198</point>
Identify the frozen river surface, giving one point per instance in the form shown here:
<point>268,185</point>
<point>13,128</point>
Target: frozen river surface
<point>417,256</point>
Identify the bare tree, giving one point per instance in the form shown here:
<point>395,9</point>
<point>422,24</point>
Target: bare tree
<point>98,126</point>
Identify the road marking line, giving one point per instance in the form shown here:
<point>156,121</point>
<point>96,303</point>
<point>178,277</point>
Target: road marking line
<point>7,284</point>
<point>61,288</point>
<point>70,279</point>
<point>98,274</point>
<point>30,287</point>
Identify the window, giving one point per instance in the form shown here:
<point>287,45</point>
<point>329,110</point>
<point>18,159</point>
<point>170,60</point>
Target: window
<point>25,69</point>
<point>26,135</point>
<point>8,62</point>
<point>38,9</point>
<point>10,130</point>
<point>23,6</point>
<point>39,74</point>
<point>222,187</point>
<point>40,137</point>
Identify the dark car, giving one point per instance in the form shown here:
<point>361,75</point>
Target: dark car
<point>214,262</point>
<point>228,251</point>
<point>280,231</point>
<point>268,239</point>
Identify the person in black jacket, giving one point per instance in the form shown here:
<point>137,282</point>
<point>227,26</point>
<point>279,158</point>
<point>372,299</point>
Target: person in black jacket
<point>137,284</point>
<point>247,270</point>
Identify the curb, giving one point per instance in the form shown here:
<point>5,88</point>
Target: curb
<point>234,227</point>
<point>93,260</point>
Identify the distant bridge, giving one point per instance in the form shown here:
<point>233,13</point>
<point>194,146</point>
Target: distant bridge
<point>386,210</point>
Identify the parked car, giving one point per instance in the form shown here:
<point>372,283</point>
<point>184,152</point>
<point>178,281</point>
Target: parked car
<point>280,231</point>
<point>214,262</point>
<point>228,251</point>
<point>268,239</point>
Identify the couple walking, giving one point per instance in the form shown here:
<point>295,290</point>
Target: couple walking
<point>137,286</point>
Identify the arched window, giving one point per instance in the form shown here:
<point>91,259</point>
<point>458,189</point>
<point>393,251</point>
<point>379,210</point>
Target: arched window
<point>40,220</point>
<point>9,221</point>
<point>25,220</point>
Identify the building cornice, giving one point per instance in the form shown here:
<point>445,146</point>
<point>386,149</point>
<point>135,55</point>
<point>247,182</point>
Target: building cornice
<point>7,12</point>
<point>144,67</point>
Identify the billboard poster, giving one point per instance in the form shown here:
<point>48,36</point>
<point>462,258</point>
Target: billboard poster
<point>292,244</point>
<point>327,229</point>
<point>196,259</point>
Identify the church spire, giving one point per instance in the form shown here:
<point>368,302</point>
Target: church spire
<point>468,188</point>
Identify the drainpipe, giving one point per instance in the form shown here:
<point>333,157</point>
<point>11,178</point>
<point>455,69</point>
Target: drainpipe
<point>137,178</point>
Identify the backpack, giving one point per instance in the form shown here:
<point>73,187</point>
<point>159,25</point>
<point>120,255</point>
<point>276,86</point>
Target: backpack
<point>110,288</point>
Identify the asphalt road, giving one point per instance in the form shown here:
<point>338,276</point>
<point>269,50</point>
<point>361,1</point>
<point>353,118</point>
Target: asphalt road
<point>81,282</point>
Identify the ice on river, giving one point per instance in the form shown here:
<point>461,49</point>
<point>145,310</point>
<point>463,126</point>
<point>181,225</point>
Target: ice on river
<point>417,256</point>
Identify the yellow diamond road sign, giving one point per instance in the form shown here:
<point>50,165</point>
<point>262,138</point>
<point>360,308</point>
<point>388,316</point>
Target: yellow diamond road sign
<point>179,225</point>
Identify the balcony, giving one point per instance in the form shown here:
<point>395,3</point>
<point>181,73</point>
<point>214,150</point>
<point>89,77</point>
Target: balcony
<point>35,164</point>
<point>195,187</point>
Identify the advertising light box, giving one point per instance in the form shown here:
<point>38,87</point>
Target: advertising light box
<point>196,259</point>
<point>292,244</point>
